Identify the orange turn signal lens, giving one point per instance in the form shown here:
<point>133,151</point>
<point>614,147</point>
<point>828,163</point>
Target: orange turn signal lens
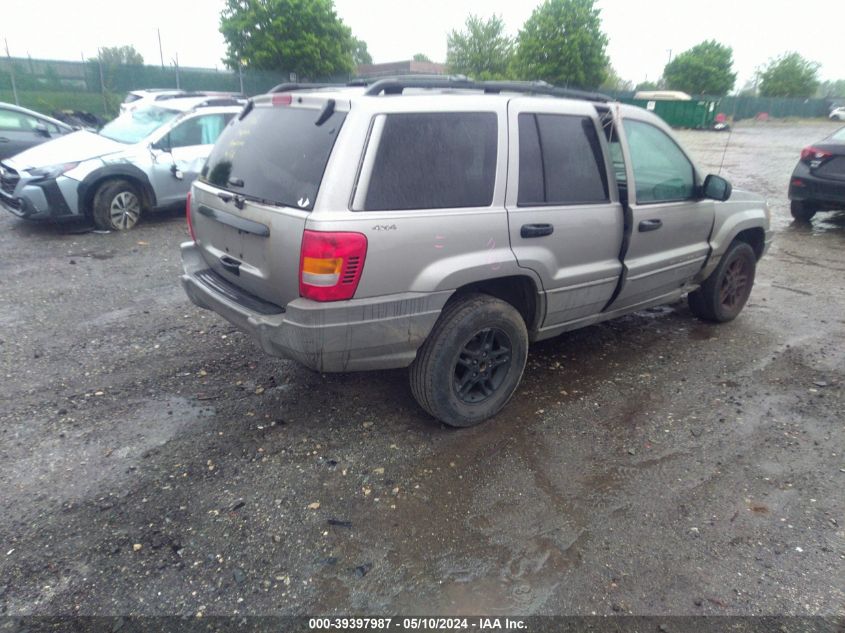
<point>315,266</point>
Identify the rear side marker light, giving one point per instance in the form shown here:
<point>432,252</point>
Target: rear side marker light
<point>797,182</point>
<point>331,264</point>
<point>282,100</point>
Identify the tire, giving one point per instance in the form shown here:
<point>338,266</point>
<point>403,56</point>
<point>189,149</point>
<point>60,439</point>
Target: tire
<point>472,361</point>
<point>117,206</point>
<point>724,293</point>
<point>802,210</point>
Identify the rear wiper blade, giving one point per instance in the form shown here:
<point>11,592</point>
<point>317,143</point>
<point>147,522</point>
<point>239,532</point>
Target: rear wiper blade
<point>326,113</point>
<point>236,182</point>
<point>247,109</point>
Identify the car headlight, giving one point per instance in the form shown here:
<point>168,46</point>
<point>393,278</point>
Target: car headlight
<point>52,171</point>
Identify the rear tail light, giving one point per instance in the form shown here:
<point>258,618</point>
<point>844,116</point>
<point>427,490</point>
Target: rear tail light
<point>188,217</point>
<point>813,153</point>
<point>282,100</point>
<point>330,265</point>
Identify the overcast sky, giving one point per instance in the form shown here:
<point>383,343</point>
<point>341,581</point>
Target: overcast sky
<point>641,32</point>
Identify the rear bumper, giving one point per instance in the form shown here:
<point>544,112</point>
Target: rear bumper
<point>361,334</point>
<point>815,189</point>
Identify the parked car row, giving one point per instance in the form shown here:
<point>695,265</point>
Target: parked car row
<point>439,225</point>
<point>143,160</point>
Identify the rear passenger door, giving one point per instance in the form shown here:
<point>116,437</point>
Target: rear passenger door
<point>565,220</point>
<point>671,226</point>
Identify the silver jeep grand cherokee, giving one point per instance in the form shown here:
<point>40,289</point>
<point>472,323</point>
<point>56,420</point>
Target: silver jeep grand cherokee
<point>143,160</point>
<point>445,224</point>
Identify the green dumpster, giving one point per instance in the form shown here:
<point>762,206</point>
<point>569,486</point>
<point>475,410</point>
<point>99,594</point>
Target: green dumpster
<point>698,114</point>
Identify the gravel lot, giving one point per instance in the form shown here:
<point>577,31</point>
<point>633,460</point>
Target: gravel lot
<point>154,461</point>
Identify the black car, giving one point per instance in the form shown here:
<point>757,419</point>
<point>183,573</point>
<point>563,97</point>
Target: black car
<point>818,182</point>
<point>20,129</point>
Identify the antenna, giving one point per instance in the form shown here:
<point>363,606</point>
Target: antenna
<point>730,134</point>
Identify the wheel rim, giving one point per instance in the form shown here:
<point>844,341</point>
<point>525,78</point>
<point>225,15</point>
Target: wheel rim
<point>482,365</point>
<point>734,289</point>
<point>125,210</point>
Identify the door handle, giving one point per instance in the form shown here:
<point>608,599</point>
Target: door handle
<point>231,265</point>
<point>536,230</point>
<point>650,225</point>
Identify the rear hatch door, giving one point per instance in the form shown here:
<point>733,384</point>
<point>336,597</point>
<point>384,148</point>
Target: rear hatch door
<point>255,193</point>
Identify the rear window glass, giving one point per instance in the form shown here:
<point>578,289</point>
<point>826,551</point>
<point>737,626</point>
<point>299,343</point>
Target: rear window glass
<point>274,154</point>
<point>839,135</point>
<point>560,161</point>
<point>434,161</point>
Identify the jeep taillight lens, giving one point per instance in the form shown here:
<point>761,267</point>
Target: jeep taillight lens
<point>188,217</point>
<point>330,264</point>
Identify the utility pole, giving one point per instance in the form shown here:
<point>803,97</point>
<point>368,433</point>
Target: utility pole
<point>12,72</point>
<point>160,52</point>
<point>241,75</point>
<point>102,81</point>
<point>670,55</point>
<point>175,61</point>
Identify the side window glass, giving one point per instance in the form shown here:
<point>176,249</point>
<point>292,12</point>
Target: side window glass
<point>201,130</point>
<point>10,120</point>
<point>434,161</point>
<point>662,172</point>
<point>560,161</point>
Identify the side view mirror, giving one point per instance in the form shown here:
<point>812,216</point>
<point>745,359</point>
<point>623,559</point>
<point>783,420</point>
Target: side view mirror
<point>716,188</point>
<point>162,144</point>
<point>42,130</point>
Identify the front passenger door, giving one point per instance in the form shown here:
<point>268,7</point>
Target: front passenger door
<point>671,226</point>
<point>189,143</point>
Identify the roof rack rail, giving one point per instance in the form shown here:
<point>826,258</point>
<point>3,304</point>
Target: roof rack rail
<point>396,85</point>
<point>221,101</point>
<point>291,87</point>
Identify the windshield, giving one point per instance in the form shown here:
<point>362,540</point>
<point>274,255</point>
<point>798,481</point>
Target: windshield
<point>135,126</point>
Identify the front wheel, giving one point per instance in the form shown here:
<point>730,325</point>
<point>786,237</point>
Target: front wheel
<point>802,210</point>
<point>471,362</point>
<point>117,206</point>
<point>724,293</point>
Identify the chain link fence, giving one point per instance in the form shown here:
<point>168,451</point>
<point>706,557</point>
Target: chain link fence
<point>51,85</point>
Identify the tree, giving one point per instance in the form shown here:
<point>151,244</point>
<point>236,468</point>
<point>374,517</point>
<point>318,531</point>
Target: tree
<point>789,75</point>
<point>562,43</point>
<point>481,50</point>
<point>360,54</point>
<point>614,82</point>
<point>705,69</point>
<point>117,55</point>
<point>645,86</point>
<point>421,57</point>
<point>302,36</point>
<point>831,89</point>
